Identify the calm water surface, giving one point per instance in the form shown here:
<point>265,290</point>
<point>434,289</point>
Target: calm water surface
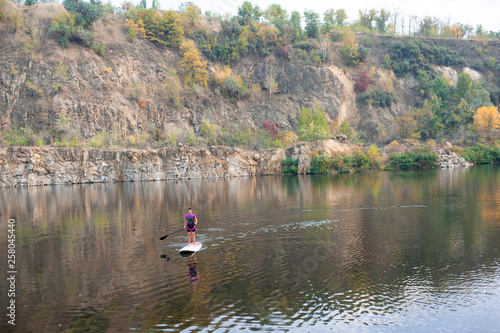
<point>369,252</point>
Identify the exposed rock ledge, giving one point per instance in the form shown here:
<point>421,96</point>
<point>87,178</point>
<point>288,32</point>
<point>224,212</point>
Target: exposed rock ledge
<point>30,166</point>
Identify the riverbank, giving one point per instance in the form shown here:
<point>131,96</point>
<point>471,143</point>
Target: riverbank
<point>34,166</point>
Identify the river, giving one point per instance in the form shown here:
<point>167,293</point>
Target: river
<point>364,252</point>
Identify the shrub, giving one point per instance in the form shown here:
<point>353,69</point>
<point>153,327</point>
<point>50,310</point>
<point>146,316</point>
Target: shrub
<point>86,13</point>
<point>22,136</point>
<point>481,154</point>
<point>412,160</point>
<point>64,24</point>
<point>362,81</point>
<point>313,124</point>
<point>173,88</point>
<point>142,103</point>
<point>289,165</point>
<point>100,49</point>
<point>209,132</point>
<point>490,62</point>
<point>374,157</point>
<point>273,128</point>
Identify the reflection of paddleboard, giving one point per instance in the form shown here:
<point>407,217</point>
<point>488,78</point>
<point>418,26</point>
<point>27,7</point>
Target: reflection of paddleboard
<point>190,249</point>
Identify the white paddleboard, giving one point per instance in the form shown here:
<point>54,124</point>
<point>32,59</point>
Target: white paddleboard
<point>190,248</point>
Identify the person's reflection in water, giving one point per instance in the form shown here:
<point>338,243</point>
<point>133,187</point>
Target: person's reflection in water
<point>193,276</point>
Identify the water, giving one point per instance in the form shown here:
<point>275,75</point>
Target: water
<point>368,252</point>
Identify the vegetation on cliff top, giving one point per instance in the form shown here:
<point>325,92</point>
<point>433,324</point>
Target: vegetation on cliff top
<point>465,111</point>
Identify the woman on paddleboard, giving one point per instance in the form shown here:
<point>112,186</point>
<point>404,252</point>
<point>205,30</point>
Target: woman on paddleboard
<point>190,225</point>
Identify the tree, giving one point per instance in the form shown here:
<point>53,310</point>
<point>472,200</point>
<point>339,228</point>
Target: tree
<point>312,23</point>
<point>340,17</point>
<point>143,4</point>
<point>324,45</point>
<point>463,88</point>
<point>295,24</point>
<point>328,20</point>
<point>270,83</point>
<point>427,27</point>
<point>381,20</point>
<point>313,124</point>
<point>155,4</point>
<point>349,50</point>
<point>248,13</point>
<point>191,16</point>
<point>487,120</point>
<point>275,15</point>
<point>86,13</point>
<point>366,18</point>
<point>195,70</point>
<point>164,28</point>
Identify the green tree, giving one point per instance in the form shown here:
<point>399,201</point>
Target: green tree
<point>155,4</point>
<point>275,15</point>
<point>340,17</point>
<point>143,4</point>
<point>248,13</point>
<point>313,124</point>
<point>381,20</point>
<point>463,88</point>
<point>328,20</point>
<point>312,23</point>
<point>86,13</point>
<point>366,18</point>
<point>295,24</point>
<point>349,50</point>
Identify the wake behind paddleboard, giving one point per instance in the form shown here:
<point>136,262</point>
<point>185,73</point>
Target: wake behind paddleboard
<point>190,249</point>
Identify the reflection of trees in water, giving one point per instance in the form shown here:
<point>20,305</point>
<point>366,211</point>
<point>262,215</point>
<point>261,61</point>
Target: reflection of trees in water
<point>79,245</point>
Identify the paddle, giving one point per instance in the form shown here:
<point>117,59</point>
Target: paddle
<point>162,238</point>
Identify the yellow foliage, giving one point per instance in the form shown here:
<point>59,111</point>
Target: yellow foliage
<point>486,120</point>
<point>135,29</point>
<point>288,138</point>
<point>106,69</point>
<point>195,70</point>
<point>221,74</point>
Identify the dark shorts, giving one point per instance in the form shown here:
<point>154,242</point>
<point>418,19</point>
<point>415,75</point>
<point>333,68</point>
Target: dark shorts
<point>191,229</point>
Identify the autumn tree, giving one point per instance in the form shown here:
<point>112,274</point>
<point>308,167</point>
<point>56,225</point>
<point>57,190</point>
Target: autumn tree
<point>340,17</point>
<point>487,120</point>
<point>195,70</point>
<point>191,16</point>
<point>270,83</point>
<point>349,50</point>
<point>163,28</point>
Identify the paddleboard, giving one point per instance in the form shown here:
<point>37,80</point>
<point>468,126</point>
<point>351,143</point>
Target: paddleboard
<point>190,249</point>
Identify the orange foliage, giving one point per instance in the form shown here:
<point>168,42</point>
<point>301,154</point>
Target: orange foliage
<point>486,120</point>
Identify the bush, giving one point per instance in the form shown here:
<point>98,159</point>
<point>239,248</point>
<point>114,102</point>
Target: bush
<point>22,136</point>
<point>481,154</point>
<point>490,62</point>
<point>209,132</point>
<point>412,160</point>
<point>362,81</point>
<point>100,49</point>
<point>86,13</point>
<point>313,125</point>
<point>64,24</point>
<point>289,165</point>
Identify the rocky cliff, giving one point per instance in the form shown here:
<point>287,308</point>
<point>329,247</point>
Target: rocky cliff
<point>42,83</point>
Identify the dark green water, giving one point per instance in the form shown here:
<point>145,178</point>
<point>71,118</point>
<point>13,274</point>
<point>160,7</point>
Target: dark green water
<point>368,252</point>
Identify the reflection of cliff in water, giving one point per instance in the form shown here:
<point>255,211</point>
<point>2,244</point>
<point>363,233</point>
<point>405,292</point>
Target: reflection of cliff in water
<point>90,253</point>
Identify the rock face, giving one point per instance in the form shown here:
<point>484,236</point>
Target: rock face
<point>449,159</point>
<point>27,166</point>
<point>30,166</point>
